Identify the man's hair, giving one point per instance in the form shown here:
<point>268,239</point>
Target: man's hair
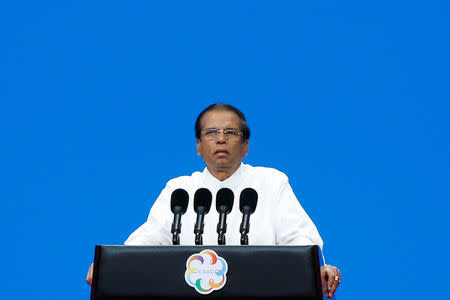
<point>227,107</point>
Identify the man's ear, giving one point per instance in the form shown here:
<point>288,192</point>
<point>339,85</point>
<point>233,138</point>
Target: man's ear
<point>198,148</point>
<point>246,144</point>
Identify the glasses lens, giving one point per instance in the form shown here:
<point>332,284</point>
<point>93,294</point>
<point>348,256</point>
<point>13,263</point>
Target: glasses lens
<point>213,134</point>
<point>231,132</point>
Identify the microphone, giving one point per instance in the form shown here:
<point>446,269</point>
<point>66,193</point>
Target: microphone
<point>202,204</point>
<point>224,204</point>
<point>247,205</point>
<point>178,204</point>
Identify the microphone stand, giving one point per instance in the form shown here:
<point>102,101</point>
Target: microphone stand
<point>176,228</point>
<point>175,239</point>
<point>245,226</point>
<point>221,239</point>
<point>244,239</point>
<point>222,227</point>
<point>199,227</point>
<point>198,239</point>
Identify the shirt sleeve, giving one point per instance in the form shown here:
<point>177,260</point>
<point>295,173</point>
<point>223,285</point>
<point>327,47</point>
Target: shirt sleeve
<point>292,223</point>
<point>156,230</point>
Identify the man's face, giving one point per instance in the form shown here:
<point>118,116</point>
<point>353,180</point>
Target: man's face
<point>224,152</point>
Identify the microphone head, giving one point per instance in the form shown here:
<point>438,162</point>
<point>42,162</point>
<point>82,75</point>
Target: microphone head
<point>248,200</point>
<point>179,201</point>
<point>202,200</point>
<point>224,200</point>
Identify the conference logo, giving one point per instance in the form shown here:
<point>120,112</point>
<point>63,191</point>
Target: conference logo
<point>206,271</point>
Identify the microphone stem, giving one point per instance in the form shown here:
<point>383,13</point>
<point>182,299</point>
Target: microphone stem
<point>245,225</point>
<point>175,239</point>
<point>198,239</point>
<point>244,239</point>
<point>198,228</point>
<point>176,225</point>
<point>221,239</point>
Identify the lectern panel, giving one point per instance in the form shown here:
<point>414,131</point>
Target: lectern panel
<point>200,272</point>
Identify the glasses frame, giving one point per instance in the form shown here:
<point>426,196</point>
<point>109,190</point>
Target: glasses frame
<point>219,131</point>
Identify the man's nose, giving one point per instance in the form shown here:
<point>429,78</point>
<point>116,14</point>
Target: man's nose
<point>221,138</point>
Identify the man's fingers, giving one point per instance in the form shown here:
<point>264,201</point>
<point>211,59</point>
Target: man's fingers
<point>333,288</point>
<point>332,276</point>
<point>333,282</point>
<point>89,274</point>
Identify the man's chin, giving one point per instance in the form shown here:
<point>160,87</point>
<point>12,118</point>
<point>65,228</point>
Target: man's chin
<point>220,162</point>
<point>222,155</point>
<point>224,164</point>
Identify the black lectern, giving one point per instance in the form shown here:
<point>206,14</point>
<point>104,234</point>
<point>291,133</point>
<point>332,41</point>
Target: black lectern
<point>200,272</point>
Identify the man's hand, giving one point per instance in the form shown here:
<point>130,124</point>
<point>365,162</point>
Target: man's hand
<point>331,278</point>
<point>89,275</point>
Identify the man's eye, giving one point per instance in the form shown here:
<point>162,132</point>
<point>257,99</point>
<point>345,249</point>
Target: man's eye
<point>211,132</point>
<point>230,132</point>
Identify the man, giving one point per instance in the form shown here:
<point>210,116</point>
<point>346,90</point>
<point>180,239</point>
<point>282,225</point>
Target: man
<point>222,141</point>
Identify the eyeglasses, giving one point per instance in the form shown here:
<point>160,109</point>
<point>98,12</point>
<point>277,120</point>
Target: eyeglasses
<point>212,134</point>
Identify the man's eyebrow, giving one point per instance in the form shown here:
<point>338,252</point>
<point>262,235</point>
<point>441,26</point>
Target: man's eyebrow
<point>208,128</point>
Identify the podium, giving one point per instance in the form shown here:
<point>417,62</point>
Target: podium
<point>200,272</point>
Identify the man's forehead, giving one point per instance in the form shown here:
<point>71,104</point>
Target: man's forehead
<point>220,118</point>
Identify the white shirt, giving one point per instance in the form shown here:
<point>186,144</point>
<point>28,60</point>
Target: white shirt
<point>279,219</point>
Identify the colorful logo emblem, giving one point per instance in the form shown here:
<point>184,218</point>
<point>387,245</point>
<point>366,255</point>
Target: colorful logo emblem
<point>206,271</point>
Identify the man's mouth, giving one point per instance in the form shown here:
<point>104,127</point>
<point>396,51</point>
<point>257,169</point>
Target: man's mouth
<point>221,151</point>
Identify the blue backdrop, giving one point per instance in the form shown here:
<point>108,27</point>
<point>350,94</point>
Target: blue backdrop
<point>349,98</point>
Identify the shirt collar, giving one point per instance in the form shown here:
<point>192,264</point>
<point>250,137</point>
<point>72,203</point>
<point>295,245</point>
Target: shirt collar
<point>233,181</point>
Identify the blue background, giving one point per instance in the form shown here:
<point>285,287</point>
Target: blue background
<point>349,98</point>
